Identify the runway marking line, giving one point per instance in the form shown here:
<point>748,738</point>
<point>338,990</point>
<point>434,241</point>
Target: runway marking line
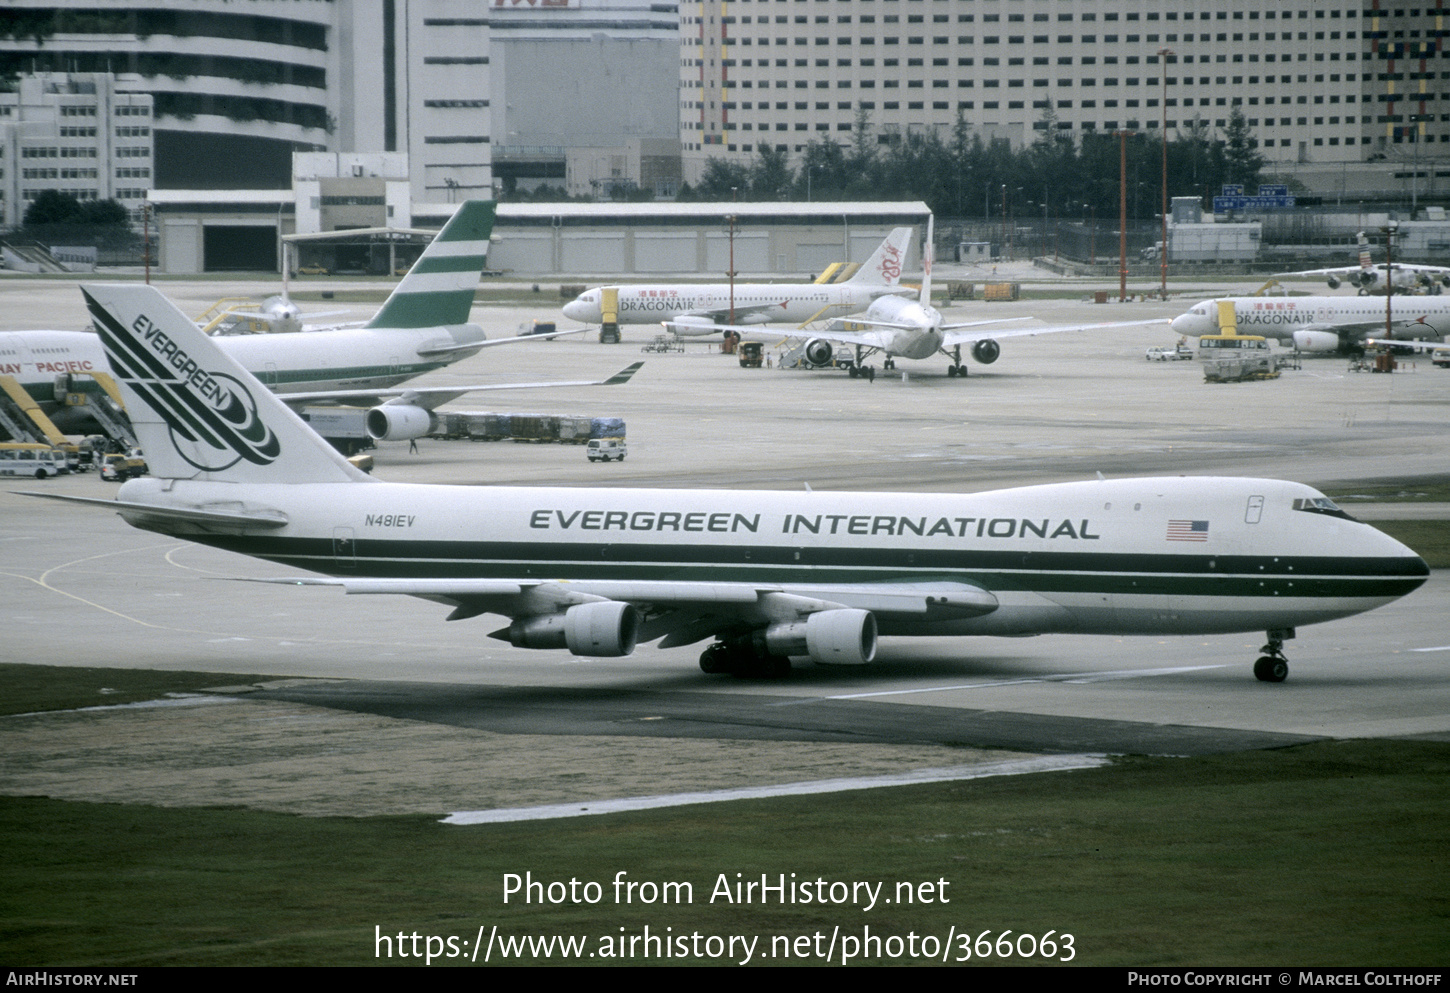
<point>1015,767</point>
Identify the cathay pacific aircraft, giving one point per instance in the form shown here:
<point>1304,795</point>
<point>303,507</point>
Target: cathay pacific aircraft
<point>763,576</point>
<point>422,326</point>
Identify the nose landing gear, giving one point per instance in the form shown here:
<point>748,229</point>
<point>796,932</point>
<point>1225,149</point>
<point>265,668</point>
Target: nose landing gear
<point>1272,666</point>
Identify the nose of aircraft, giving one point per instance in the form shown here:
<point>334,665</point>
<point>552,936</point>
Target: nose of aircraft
<point>1191,324</point>
<point>577,309</point>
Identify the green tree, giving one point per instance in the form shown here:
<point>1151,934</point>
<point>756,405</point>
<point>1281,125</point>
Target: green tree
<point>1242,161</point>
<point>53,207</point>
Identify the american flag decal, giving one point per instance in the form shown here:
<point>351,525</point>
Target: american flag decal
<point>1187,530</point>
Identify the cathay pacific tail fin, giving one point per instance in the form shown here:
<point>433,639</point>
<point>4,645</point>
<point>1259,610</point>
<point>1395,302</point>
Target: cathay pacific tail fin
<point>438,290</point>
<point>197,413</point>
<point>885,264</point>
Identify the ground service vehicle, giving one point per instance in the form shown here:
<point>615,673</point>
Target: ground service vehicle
<point>21,458</point>
<point>605,449</point>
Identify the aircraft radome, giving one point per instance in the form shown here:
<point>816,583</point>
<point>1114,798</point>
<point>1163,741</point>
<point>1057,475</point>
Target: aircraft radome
<point>766,575</point>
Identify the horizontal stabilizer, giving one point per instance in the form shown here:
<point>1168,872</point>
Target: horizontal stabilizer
<point>189,515</point>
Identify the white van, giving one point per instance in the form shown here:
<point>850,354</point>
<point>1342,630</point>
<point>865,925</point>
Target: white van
<point>605,449</point>
<point>21,458</point>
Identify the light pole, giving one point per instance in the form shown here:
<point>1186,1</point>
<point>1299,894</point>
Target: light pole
<point>1163,54</point>
<point>1123,214</point>
<point>1389,230</point>
<point>732,219</point>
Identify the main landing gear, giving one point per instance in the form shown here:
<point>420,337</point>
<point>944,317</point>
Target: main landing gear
<point>1272,666</point>
<point>956,368</point>
<point>739,657</point>
<point>862,372</point>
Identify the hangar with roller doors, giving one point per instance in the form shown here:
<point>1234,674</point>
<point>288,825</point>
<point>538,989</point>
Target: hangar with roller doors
<point>795,240</point>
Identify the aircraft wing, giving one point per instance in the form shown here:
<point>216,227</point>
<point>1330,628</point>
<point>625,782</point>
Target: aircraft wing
<point>1419,346</point>
<point>679,613</point>
<point>955,334</point>
<point>430,353</point>
<point>871,339</point>
<point>1348,270</point>
<point>429,397</point>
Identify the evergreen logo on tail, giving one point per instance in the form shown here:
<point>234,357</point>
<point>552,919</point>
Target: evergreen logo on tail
<point>215,413</point>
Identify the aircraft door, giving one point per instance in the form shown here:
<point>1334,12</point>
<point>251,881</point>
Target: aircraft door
<point>1254,510</point>
<point>344,548</point>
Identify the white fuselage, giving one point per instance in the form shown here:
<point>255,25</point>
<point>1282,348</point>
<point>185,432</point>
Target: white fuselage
<point>358,358</point>
<point>1419,318</point>
<point>753,303</point>
<point>1133,556</point>
<point>920,336</point>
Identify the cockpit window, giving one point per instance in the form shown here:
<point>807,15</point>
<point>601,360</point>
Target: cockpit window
<point>1320,505</point>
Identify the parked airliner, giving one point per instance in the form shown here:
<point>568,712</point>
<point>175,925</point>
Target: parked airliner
<point>422,326</point>
<point>1323,324</point>
<point>696,309</point>
<point>766,574</point>
<point>1370,278</point>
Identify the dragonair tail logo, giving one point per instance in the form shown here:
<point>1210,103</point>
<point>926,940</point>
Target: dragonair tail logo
<point>212,417</point>
<point>890,267</point>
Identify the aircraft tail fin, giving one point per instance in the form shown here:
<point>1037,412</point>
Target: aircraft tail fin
<point>1364,257</point>
<point>884,266</point>
<point>927,254</point>
<point>197,413</point>
<point>439,289</point>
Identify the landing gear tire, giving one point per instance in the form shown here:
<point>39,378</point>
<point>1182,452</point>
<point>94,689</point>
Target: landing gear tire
<point>888,365</point>
<point>716,659</point>
<point>852,371</point>
<point>1271,669</point>
<point>741,661</point>
<point>951,372</point>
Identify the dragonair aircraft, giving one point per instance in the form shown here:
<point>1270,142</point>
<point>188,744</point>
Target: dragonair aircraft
<point>1370,278</point>
<point>1323,324</point>
<point>697,309</point>
<point>422,326</point>
<point>899,327</point>
<point>766,575</point>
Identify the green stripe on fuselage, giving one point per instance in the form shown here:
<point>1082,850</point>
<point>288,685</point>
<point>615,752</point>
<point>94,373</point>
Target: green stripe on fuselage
<point>427,309</point>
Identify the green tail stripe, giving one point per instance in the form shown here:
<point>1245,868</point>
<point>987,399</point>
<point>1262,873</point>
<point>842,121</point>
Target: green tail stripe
<point>473,221</point>
<point>425,309</point>
<point>456,263</point>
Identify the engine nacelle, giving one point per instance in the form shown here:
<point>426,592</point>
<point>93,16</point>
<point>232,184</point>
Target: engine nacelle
<point>830,637</point>
<point>603,629</point>
<point>819,352</point>
<point>1316,341</point>
<point>1333,282</point>
<point>986,351</point>
<point>1366,279</point>
<point>399,422</point>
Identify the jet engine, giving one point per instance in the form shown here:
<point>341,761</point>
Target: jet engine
<point>986,351</point>
<point>1316,341</point>
<point>830,637</point>
<point>1367,279</point>
<point>604,629</point>
<point>1333,282</point>
<point>819,352</point>
<point>399,422</point>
